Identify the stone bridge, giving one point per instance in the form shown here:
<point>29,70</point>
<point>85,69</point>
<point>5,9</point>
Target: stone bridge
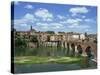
<point>76,46</point>
<point>83,48</point>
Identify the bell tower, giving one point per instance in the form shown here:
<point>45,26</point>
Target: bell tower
<point>31,28</point>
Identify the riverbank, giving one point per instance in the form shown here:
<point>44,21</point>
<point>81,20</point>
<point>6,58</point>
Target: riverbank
<point>45,60</point>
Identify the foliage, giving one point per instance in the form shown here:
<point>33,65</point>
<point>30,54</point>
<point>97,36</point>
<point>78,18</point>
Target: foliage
<point>34,39</point>
<point>61,32</point>
<point>20,42</point>
<point>33,30</point>
<point>50,32</point>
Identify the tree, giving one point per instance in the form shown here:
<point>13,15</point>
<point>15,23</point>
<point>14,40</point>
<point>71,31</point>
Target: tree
<point>34,39</point>
<point>20,42</point>
<point>61,32</point>
<point>50,32</point>
<point>33,30</point>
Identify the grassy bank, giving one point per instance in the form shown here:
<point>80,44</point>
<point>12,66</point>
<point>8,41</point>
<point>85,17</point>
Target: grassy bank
<point>44,60</point>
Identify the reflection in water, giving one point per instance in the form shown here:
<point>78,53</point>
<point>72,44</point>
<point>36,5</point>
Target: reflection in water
<point>88,63</point>
<point>50,51</point>
<point>45,68</point>
<point>85,62</point>
<point>41,51</point>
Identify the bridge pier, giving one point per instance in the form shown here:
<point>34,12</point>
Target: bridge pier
<point>68,49</point>
<point>76,51</point>
<point>65,44</point>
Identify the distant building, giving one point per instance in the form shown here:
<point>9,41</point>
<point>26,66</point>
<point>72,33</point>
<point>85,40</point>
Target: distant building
<point>72,36</point>
<point>41,36</point>
<point>82,36</point>
<point>92,37</point>
<point>58,36</point>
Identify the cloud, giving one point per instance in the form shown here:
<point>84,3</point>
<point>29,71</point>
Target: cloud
<point>42,20</point>
<point>78,10</point>
<point>71,21</point>
<point>23,25</point>
<point>83,16</point>
<point>48,26</point>
<point>44,14</point>
<point>89,20</point>
<point>56,25</point>
<point>76,23</point>
<point>29,17</point>
<point>82,27</point>
<point>60,17</point>
<point>47,19</point>
<point>88,30</point>
<point>24,22</point>
<point>25,19</point>
<point>28,6</point>
<point>41,24</point>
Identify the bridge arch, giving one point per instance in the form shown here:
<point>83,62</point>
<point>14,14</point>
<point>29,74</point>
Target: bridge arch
<point>80,49</point>
<point>68,48</point>
<point>89,51</point>
<point>73,49</point>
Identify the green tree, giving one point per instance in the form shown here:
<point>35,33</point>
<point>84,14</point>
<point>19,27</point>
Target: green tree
<point>33,30</point>
<point>20,42</point>
<point>50,32</point>
<point>61,32</point>
<point>34,39</point>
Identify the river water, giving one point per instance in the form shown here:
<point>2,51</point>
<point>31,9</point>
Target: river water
<point>53,67</point>
<point>86,63</point>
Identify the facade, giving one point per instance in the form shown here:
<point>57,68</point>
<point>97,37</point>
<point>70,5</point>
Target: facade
<point>82,36</point>
<point>43,36</point>
<point>72,36</point>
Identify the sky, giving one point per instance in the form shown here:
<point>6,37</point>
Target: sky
<point>54,17</point>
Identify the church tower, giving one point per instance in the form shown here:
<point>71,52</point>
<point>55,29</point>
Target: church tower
<point>31,28</point>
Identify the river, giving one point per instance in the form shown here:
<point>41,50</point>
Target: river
<point>86,63</point>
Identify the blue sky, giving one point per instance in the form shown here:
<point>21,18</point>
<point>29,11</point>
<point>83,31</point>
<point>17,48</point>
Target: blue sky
<point>55,17</point>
